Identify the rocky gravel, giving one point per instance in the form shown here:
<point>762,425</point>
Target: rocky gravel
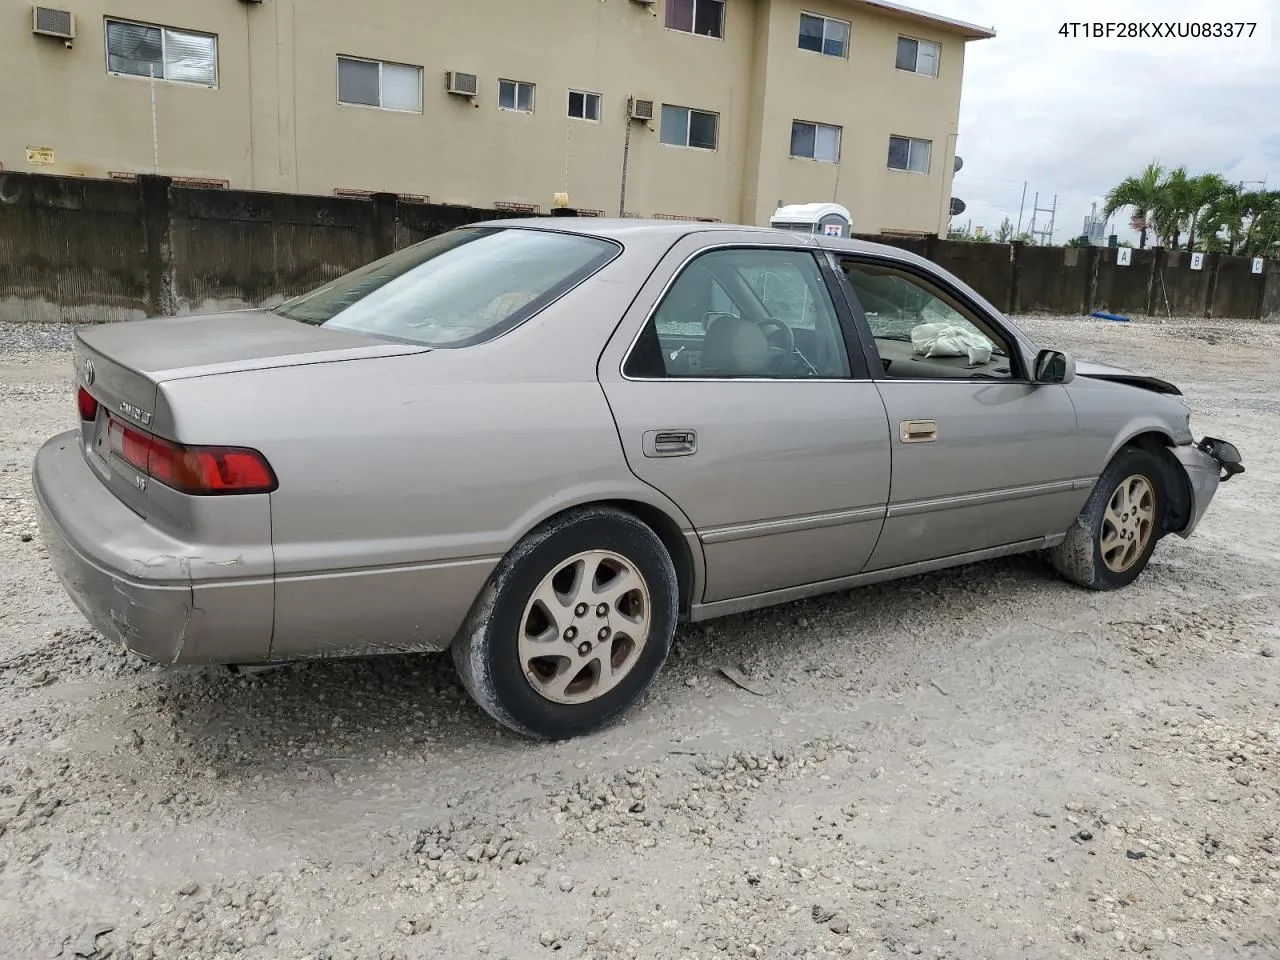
<point>982,763</point>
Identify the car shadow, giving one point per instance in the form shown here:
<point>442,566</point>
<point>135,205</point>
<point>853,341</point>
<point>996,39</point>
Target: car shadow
<point>351,713</point>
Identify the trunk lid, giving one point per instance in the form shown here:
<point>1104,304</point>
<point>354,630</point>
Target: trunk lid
<point>121,365</point>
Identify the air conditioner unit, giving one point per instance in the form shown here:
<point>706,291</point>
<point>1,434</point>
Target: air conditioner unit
<point>645,3</point>
<point>462,84</point>
<point>641,109</point>
<point>48,22</point>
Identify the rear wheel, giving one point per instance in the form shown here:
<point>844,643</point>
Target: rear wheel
<point>1111,541</point>
<point>573,626</point>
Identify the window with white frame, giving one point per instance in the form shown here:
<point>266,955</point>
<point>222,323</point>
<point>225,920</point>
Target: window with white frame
<point>515,95</point>
<point>144,50</point>
<point>703,17</point>
<point>919,56</point>
<point>815,141</point>
<point>908,153</point>
<point>824,35</point>
<point>683,127</point>
<point>584,106</point>
<point>373,83</point>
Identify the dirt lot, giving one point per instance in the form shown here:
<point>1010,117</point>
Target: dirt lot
<point>984,763</point>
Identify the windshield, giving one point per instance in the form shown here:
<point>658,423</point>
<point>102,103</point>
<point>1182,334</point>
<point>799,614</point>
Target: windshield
<point>459,288</point>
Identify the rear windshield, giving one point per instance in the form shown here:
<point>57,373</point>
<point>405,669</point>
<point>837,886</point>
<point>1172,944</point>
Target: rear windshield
<point>459,288</point>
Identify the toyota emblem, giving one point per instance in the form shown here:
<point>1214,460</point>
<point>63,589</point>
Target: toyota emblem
<point>86,373</point>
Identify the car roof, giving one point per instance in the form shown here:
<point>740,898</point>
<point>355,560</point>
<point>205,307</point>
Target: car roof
<point>622,229</point>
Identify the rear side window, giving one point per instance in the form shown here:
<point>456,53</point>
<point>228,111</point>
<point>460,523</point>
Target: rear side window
<point>460,288</point>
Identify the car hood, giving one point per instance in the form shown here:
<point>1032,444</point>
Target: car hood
<point>174,348</point>
<point>1096,370</point>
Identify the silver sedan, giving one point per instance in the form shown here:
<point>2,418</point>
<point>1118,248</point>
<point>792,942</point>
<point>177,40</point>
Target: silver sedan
<point>543,443</point>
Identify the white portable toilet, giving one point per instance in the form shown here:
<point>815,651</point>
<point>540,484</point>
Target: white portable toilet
<point>826,219</point>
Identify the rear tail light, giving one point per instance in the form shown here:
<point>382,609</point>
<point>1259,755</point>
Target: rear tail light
<point>88,406</point>
<point>199,470</point>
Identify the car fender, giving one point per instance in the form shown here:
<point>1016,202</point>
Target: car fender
<point>621,491</point>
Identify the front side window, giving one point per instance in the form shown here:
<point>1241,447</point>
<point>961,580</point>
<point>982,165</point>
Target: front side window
<point>143,50</point>
<point>584,106</point>
<point>918,56</point>
<point>372,83</point>
<point>683,127</point>
<point>456,289</point>
<point>515,95</point>
<point>922,332</point>
<point>816,141</point>
<point>908,153</point>
<point>743,313</point>
<point>824,35</point>
<point>703,17</point>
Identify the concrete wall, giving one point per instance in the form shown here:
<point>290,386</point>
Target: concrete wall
<point>81,250</point>
<point>272,120</point>
<point>71,250</point>
<point>1026,279</point>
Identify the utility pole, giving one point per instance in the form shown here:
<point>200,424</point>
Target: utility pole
<point>1031,228</point>
<point>1018,231</point>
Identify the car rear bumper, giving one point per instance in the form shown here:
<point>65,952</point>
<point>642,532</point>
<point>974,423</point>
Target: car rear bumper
<point>131,581</point>
<point>1206,465</point>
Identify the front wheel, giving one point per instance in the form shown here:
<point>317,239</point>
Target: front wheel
<point>1111,541</point>
<point>573,626</point>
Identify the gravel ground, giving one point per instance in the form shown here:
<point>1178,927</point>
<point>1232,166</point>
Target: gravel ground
<point>983,763</point>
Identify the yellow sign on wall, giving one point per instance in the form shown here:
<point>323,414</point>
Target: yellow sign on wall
<point>40,155</point>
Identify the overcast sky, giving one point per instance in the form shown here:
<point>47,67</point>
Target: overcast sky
<point>1075,116</point>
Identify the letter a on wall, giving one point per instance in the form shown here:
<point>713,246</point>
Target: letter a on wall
<point>1123,256</point>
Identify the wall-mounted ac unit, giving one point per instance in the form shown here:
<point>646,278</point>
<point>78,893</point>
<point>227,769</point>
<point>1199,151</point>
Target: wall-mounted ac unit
<point>646,3</point>
<point>462,84</point>
<point>48,22</point>
<point>641,109</point>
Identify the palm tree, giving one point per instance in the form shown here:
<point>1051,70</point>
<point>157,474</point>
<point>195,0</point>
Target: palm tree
<point>1251,222</point>
<point>1202,192</point>
<point>1142,194</point>
<point>1227,214</point>
<point>1264,223</point>
<point>1171,206</point>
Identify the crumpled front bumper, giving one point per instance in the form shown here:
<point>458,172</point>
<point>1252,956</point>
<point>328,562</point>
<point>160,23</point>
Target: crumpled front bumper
<point>1207,464</point>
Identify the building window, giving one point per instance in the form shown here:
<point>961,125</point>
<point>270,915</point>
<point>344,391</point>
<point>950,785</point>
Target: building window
<point>682,127</point>
<point>906,153</point>
<point>372,83</point>
<point>515,95</point>
<point>824,35</point>
<point>142,50</point>
<point>584,106</point>
<point>918,56</point>
<point>816,141</point>
<point>703,17</point>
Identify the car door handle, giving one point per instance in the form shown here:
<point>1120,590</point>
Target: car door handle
<point>918,431</point>
<point>670,443</point>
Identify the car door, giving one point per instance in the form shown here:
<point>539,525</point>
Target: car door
<point>982,457</point>
<point>731,383</point>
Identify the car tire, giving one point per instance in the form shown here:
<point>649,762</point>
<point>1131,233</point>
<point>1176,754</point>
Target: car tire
<point>1111,541</point>
<point>541,665</point>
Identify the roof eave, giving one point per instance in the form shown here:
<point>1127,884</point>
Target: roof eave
<point>970,31</point>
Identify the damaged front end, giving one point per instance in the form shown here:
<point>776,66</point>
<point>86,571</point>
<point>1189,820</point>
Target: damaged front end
<point>1207,464</point>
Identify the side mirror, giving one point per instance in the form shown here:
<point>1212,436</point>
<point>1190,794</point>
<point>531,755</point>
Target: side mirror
<point>1054,366</point>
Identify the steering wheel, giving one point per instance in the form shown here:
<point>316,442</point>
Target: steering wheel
<point>782,352</point>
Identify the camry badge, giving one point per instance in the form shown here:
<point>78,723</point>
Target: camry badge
<point>135,413</point>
